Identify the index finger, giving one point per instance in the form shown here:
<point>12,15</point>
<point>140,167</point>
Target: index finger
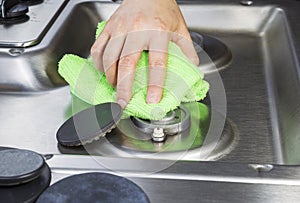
<point>126,72</point>
<point>97,50</point>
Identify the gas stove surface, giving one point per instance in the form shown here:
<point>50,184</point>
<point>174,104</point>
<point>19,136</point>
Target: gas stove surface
<point>255,97</point>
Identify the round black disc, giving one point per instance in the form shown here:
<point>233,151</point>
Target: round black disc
<point>26,192</point>
<point>89,125</point>
<point>19,166</point>
<point>94,188</point>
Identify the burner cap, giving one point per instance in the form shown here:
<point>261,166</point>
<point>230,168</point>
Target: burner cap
<point>173,123</point>
<point>19,166</point>
<point>29,191</point>
<point>94,187</point>
<point>89,124</point>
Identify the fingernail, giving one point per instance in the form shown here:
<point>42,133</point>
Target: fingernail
<point>122,103</point>
<point>153,98</point>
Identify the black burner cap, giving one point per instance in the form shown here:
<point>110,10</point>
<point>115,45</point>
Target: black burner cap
<point>89,124</point>
<point>19,166</point>
<point>93,188</point>
<point>30,190</point>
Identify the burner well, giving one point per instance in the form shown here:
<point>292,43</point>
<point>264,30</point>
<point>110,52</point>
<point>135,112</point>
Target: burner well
<point>194,142</point>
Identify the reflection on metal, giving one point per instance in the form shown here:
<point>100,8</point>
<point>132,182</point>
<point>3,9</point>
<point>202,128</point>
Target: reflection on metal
<point>16,51</point>
<point>261,167</point>
<point>246,2</point>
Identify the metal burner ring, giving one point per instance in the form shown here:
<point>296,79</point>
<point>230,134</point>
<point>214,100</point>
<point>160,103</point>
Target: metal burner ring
<point>173,123</point>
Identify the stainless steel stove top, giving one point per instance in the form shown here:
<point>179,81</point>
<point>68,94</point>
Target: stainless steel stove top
<point>31,32</point>
<point>261,97</point>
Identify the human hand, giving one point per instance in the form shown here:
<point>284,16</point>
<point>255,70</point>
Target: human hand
<point>135,26</point>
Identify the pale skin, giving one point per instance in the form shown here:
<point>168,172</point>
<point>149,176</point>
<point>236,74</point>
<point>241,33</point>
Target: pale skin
<point>135,26</point>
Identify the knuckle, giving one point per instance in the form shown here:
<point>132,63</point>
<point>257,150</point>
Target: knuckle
<point>138,18</point>
<point>127,62</point>
<point>159,62</point>
<point>160,23</point>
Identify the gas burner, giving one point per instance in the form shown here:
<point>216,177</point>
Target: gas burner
<point>190,130</point>
<point>24,175</point>
<point>179,128</point>
<point>173,123</point>
<point>12,11</point>
<point>213,54</point>
<point>184,134</point>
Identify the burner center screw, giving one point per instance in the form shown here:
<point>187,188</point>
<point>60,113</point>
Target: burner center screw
<point>158,135</point>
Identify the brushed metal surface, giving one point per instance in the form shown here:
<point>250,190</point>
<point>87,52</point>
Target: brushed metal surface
<point>264,109</point>
<point>190,181</point>
<point>41,18</point>
<point>262,93</point>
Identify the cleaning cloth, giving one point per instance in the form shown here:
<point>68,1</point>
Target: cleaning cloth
<point>183,83</point>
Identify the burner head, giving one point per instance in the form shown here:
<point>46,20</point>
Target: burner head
<point>173,123</point>
<point>182,129</point>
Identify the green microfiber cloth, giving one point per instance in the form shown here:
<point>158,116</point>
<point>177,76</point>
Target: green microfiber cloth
<point>184,83</point>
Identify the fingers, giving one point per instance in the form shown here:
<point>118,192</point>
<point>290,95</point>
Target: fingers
<point>97,50</point>
<point>134,45</point>
<point>126,72</point>
<point>111,57</point>
<point>186,45</point>
<point>157,67</point>
<point>118,57</point>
